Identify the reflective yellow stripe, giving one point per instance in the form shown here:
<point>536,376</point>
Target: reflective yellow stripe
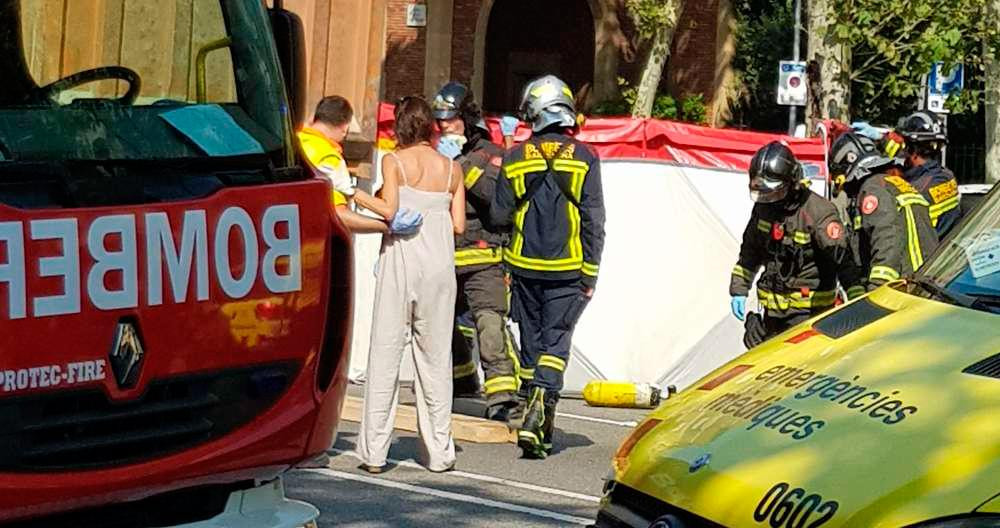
<point>473,256</point>
<point>892,147</point>
<point>565,264</point>
<point>526,373</point>
<point>463,370</point>
<point>570,165</point>
<point>517,240</point>
<point>855,291</point>
<point>909,199</point>
<point>472,177</point>
<point>519,168</point>
<point>590,269</point>
<point>466,331</point>
<point>743,273</point>
<point>552,362</point>
<point>575,244</point>
<point>857,222</point>
<point>764,226</point>
<point>913,239</point>
<point>518,183</point>
<point>782,302</point>
<point>883,273</point>
<point>802,237</point>
<point>509,346</point>
<point>941,208</point>
<point>500,384</point>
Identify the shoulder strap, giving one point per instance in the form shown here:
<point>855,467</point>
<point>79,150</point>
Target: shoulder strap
<point>536,184</point>
<point>402,171</point>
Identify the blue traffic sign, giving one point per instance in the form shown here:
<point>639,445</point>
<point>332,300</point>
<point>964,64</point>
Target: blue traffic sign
<point>940,82</point>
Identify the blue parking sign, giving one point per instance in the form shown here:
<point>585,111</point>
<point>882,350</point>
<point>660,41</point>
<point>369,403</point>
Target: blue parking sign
<point>941,84</point>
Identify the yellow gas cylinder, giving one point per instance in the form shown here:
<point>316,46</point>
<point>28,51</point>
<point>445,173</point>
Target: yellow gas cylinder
<point>604,393</point>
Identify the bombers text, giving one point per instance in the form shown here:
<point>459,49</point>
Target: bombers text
<point>106,261</point>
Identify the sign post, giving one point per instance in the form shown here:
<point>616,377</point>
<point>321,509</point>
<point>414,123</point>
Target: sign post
<point>792,83</point>
<point>939,86</point>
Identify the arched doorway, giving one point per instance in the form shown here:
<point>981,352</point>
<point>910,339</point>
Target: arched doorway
<point>522,42</point>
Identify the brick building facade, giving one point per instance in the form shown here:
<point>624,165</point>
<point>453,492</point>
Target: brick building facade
<point>366,50</point>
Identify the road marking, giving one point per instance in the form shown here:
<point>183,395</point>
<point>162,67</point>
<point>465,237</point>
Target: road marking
<point>454,496</point>
<point>597,420</point>
<point>486,478</point>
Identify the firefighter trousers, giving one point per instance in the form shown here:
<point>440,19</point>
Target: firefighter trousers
<point>547,312</point>
<point>481,312</point>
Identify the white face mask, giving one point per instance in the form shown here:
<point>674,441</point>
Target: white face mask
<point>460,139</point>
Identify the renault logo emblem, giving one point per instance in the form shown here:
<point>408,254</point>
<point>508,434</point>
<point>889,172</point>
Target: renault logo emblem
<point>126,354</point>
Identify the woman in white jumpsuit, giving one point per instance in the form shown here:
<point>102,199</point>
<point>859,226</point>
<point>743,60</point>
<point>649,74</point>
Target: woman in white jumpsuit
<point>414,293</point>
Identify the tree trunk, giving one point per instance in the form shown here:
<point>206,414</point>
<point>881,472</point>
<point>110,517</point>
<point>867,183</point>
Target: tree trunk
<point>992,63</point>
<point>830,90</point>
<point>658,55</point>
<point>612,45</point>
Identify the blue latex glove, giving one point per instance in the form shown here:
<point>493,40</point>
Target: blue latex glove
<point>865,129</point>
<point>508,125</point>
<point>449,148</point>
<point>406,222</point>
<point>739,307</point>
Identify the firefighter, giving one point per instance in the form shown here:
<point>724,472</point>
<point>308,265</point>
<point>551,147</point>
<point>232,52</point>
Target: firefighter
<point>889,216</point>
<point>796,236</point>
<point>924,139</point>
<point>549,189</point>
<point>482,301</point>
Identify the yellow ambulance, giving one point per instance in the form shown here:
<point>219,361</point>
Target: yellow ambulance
<point>882,413</point>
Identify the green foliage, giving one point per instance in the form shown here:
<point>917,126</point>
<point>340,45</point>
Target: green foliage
<point>664,107</point>
<point>650,15</point>
<point>763,37</point>
<point>693,109</point>
<point>893,46</point>
<point>617,107</point>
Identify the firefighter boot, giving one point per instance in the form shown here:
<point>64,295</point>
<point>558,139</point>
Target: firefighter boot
<point>517,413</point>
<point>550,422</point>
<point>531,435</point>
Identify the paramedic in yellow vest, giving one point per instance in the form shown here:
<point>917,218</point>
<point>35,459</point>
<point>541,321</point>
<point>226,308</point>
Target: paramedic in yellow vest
<point>321,141</point>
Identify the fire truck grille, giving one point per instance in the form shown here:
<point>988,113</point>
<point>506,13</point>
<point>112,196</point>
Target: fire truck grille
<point>84,430</point>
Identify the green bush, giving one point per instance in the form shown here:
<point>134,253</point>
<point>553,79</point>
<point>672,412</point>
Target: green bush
<point>664,107</point>
<point>618,107</point>
<point>693,109</point>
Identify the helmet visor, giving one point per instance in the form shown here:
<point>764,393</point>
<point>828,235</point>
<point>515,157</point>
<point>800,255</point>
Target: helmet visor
<point>442,108</point>
<point>768,189</point>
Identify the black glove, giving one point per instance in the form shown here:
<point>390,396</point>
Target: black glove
<point>756,333</point>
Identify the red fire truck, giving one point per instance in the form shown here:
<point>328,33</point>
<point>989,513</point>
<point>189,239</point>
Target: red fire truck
<point>174,291</point>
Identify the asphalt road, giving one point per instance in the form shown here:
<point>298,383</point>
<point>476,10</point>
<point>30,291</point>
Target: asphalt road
<point>492,486</point>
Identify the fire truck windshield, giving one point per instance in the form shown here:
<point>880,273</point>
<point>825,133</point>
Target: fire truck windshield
<point>143,79</point>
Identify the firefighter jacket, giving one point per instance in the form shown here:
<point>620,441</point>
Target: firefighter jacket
<point>550,191</point>
<point>939,187</point>
<point>482,244</point>
<point>893,225</point>
<point>803,248</point>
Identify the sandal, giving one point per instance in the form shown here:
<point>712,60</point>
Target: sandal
<point>374,470</point>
